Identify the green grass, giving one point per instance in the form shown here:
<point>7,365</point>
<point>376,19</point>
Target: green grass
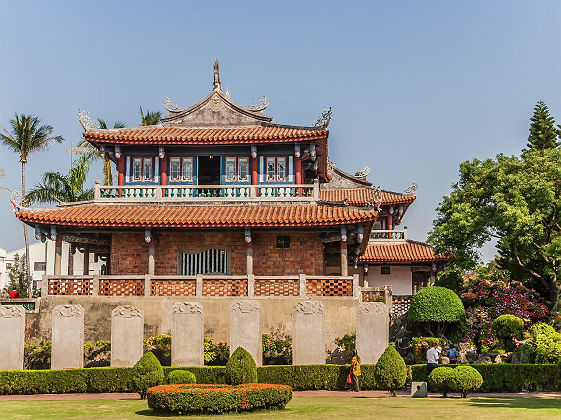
<point>306,408</point>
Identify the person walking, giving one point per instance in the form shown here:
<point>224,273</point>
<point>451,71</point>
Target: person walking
<point>432,358</point>
<point>355,371</point>
<point>452,354</point>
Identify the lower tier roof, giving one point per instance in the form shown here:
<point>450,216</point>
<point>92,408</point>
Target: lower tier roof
<point>400,252</point>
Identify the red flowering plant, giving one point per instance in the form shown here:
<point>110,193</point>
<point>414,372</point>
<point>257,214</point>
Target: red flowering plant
<point>488,300</point>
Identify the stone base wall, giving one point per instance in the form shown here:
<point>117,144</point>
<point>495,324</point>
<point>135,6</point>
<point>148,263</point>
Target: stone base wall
<point>276,315</point>
<point>129,252</point>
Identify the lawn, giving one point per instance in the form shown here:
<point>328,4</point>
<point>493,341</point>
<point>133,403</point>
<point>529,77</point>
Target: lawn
<point>306,408</point>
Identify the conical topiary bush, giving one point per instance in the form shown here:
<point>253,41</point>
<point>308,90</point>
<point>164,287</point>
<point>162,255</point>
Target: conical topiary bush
<point>241,368</point>
<point>390,371</point>
<point>147,372</point>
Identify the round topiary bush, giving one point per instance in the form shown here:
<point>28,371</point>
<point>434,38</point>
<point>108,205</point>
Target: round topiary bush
<point>507,328</point>
<point>442,379</point>
<point>217,399</point>
<point>436,308</point>
<point>390,371</point>
<point>181,377</point>
<point>147,372</point>
<point>241,368</point>
<point>467,379</point>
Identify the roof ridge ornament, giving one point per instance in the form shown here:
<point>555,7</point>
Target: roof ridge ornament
<point>86,121</point>
<point>216,69</point>
<point>261,105</point>
<point>412,189</point>
<point>324,119</point>
<point>170,106</point>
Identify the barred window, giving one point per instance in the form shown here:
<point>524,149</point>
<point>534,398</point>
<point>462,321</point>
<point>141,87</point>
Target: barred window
<point>209,261</point>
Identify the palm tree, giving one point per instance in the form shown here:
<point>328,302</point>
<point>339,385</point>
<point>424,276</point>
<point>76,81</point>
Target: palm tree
<point>87,149</point>
<point>64,188</point>
<point>27,136</point>
<point>150,118</point>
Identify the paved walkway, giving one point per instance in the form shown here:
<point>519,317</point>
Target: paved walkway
<point>362,394</point>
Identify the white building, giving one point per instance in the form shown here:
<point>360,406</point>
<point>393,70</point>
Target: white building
<point>42,260</point>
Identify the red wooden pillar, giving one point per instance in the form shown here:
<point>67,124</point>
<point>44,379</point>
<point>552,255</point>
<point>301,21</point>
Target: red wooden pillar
<point>254,171</point>
<point>121,169</point>
<point>298,169</point>
<point>58,252</point>
<point>164,171</point>
<point>389,222</point>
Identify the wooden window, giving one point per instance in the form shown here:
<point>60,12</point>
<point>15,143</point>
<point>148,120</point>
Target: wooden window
<point>276,169</point>
<point>147,169</point>
<point>187,169</point>
<point>283,241</point>
<point>271,175</point>
<point>243,169</point>
<point>230,169</point>
<point>281,169</point>
<point>39,266</point>
<point>174,169</point>
<point>137,169</point>
<point>385,270</point>
<point>209,261</point>
<point>142,169</point>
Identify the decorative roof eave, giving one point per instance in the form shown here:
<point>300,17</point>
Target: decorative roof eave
<point>407,252</point>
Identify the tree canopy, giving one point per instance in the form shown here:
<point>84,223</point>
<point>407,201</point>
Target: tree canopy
<point>543,133</point>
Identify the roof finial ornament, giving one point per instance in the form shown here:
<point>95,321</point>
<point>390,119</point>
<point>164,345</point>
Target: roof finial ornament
<point>86,120</point>
<point>169,105</point>
<point>324,119</point>
<point>412,189</point>
<point>216,75</point>
<point>261,105</point>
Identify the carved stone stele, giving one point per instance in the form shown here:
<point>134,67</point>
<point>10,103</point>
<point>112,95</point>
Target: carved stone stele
<point>187,307</point>
<point>187,344</point>
<point>12,326</point>
<point>309,307</point>
<point>127,335</point>
<point>245,328</point>
<point>67,349</point>
<point>372,330</point>
<point>308,338</point>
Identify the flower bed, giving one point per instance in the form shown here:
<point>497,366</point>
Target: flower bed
<point>216,398</point>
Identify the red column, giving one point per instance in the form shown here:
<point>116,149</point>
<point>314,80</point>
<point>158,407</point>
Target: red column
<point>390,222</point>
<point>254,172</point>
<point>164,171</point>
<point>121,169</point>
<point>298,170</point>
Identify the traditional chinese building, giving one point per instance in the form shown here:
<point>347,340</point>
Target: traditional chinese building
<point>220,200</point>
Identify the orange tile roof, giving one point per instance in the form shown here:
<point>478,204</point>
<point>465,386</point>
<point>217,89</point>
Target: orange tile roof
<point>203,135</point>
<point>399,252</point>
<point>361,197</point>
<point>195,215</point>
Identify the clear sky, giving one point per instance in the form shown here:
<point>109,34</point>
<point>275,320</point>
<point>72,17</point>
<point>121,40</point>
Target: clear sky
<point>416,86</point>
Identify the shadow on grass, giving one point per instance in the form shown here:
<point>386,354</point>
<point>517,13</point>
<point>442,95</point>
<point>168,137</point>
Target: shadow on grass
<point>151,413</point>
<point>513,402</point>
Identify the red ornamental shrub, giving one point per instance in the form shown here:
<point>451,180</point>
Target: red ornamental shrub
<point>217,398</point>
<point>14,294</point>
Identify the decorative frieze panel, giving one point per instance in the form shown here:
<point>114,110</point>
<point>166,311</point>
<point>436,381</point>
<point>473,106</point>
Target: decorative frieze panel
<point>277,287</point>
<point>121,287</point>
<point>172,287</point>
<point>224,287</point>
<point>329,287</point>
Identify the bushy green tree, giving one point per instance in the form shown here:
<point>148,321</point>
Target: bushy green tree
<point>436,309</point>
<point>390,371</point>
<point>17,276</point>
<point>545,343</point>
<point>241,368</point>
<point>181,377</point>
<point>507,328</point>
<point>543,133</point>
<point>146,373</point>
<point>462,379</point>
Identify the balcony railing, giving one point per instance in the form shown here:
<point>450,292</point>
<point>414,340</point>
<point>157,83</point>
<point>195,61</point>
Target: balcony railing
<point>175,193</point>
<point>301,285</point>
<point>388,235</point>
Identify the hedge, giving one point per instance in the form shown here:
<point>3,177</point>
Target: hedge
<point>196,399</point>
<point>507,377</point>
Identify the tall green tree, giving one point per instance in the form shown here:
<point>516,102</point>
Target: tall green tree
<point>543,132</point>
<point>150,118</point>
<point>57,187</point>
<point>516,201</point>
<point>26,136</point>
<point>86,148</point>
<point>17,276</point>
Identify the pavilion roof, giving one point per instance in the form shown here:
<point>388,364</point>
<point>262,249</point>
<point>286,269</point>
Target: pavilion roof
<point>400,252</point>
<point>363,197</point>
<point>196,216</point>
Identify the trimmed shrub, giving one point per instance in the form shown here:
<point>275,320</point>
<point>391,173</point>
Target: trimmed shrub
<point>507,328</point>
<point>546,343</point>
<point>147,372</point>
<point>390,372</point>
<point>196,399</point>
<point>507,377</point>
<point>436,308</point>
<point>181,377</point>
<point>241,368</point>
<point>442,379</point>
<point>466,380</point>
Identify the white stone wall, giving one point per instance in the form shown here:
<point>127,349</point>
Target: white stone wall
<point>399,278</point>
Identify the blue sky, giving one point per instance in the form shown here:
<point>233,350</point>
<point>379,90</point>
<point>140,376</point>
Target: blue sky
<point>416,87</point>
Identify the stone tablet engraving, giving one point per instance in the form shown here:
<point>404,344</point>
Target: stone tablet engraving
<point>308,345</point>
<point>12,326</point>
<point>245,328</point>
<point>67,349</point>
<point>187,339</point>
<point>127,335</point>
<point>372,330</point>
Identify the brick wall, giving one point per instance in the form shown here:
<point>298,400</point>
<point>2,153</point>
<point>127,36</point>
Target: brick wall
<point>129,252</point>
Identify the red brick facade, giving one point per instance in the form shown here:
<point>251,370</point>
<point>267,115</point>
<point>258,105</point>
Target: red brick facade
<point>129,252</point>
